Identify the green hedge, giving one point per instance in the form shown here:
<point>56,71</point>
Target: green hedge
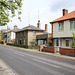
<point>23,46</point>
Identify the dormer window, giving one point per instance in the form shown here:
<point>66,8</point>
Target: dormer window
<point>72,25</point>
<point>61,26</point>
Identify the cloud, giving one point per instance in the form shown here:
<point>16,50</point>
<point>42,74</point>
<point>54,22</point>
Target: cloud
<point>61,4</point>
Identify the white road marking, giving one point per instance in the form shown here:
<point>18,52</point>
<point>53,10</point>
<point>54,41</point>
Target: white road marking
<point>19,54</point>
<point>46,63</point>
<point>49,60</point>
<point>43,67</point>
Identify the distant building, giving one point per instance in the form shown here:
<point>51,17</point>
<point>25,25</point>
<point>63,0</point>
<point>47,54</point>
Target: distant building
<point>62,29</point>
<point>11,34</point>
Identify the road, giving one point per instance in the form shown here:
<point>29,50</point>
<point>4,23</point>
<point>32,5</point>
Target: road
<point>29,63</point>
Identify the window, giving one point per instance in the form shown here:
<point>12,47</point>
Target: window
<point>57,42</point>
<point>24,42</point>
<point>17,41</point>
<point>61,26</point>
<point>73,41</point>
<point>60,42</point>
<point>24,33</point>
<point>72,25</point>
<point>67,43</point>
<point>34,33</point>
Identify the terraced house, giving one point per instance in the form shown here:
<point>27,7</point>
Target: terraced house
<point>62,29</point>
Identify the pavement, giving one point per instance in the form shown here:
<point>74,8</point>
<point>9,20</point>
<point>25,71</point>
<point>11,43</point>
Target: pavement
<point>46,53</point>
<point>4,69</point>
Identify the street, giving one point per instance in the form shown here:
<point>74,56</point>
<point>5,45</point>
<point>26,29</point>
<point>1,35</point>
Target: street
<point>29,63</point>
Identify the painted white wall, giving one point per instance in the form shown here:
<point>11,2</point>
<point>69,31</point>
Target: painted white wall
<point>12,35</point>
<point>67,32</point>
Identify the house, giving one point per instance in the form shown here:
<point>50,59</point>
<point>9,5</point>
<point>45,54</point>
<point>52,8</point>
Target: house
<point>11,34</point>
<point>44,38</point>
<point>62,29</point>
<point>25,35</point>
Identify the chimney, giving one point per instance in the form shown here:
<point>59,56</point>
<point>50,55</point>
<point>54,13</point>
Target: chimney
<point>38,24</point>
<point>65,11</point>
<point>45,27</point>
<point>15,26</point>
<point>8,28</point>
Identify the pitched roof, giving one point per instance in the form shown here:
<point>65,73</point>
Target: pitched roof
<point>13,30</point>
<point>31,27</point>
<point>71,15</point>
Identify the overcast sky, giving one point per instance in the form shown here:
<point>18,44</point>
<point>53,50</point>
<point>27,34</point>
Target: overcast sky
<point>48,10</point>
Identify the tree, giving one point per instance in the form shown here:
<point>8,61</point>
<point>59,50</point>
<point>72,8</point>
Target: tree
<point>7,9</point>
<point>73,44</point>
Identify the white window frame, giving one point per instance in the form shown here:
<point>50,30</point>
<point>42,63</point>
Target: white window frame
<point>72,25</point>
<point>65,43</point>
<point>61,26</point>
<point>58,43</point>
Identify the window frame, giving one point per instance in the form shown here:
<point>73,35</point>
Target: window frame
<point>61,26</point>
<point>65,43</point>
<point>72,25</point>
<point>34,33</point>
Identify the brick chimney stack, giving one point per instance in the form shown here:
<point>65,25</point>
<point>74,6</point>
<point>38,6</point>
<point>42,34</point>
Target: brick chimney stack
<point>38,24</point>
<point>65,11</point>
<point>15,26</point>
<point>45,27</point>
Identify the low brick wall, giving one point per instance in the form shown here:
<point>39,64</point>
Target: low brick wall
<point>67,51</point>
<point>48,49</point>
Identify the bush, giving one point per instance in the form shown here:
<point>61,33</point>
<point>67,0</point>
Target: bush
<point>2,41</point>
<point>73,45</point>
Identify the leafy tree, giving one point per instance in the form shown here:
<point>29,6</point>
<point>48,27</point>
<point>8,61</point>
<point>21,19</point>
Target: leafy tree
<point>8,8</point>
<point>73,44</point>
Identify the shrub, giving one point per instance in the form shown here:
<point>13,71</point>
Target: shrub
<point>73,45</point>
<point>2,41</point>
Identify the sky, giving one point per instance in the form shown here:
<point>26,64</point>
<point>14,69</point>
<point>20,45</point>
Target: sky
<point>49,10</point>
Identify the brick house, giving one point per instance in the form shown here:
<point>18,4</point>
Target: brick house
<point>25,35</point>
<point>62,29</point>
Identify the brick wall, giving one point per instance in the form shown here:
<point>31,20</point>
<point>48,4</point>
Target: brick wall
<point>67,51</point>
<point>48,49</point>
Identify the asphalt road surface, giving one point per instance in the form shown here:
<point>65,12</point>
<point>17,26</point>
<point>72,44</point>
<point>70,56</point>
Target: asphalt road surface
<point>29,63</point>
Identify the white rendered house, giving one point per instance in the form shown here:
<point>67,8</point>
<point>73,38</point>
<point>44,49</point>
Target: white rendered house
<point>62,29</point>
